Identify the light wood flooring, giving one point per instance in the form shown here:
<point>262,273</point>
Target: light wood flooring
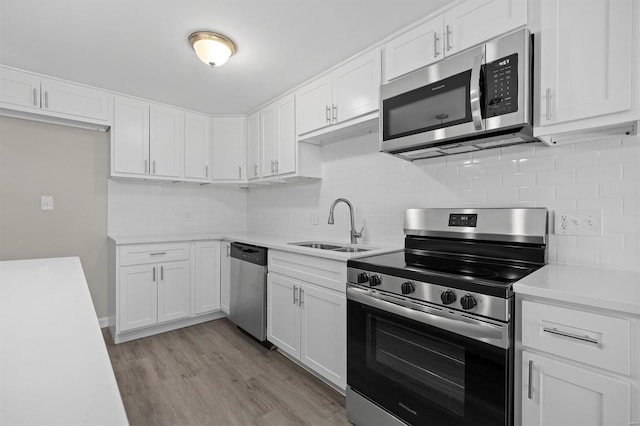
<point>212,374</point>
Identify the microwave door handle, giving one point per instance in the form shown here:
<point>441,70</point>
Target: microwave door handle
<point>474,93</point>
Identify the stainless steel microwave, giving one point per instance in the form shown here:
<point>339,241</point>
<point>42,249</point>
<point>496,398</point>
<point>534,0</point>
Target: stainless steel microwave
<point>477,99</point>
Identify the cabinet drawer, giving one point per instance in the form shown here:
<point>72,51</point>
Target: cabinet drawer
<point>150,253</point>
<point>594,339</point>
<point>327,273</point>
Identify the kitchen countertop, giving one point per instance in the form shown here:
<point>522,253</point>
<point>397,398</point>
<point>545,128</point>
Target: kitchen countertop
<point>54,365</point>
<point>271,241</point>
<point>604,288</point>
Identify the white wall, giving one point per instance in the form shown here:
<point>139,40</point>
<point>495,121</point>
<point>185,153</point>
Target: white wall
<point>601,175</point>
<point>152,207</point>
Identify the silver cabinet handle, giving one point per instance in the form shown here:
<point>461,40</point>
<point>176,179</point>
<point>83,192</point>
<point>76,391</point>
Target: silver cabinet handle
<point>154,274</point>
<point>206,171</point>
<point>255,170</point>
<point>273,167</point>
<point>162,273</point>
<point>153,163</point>
<point>548,105</point>
<point>157,253</point>
<point>46,99</point>
<point>327,113</point>
<point>146,166</point>
<point>530,390</point>
<point>228,250</point>
<point>239,172</point>
<point>448,38</point>
<point>295,295</point>
<point>474,92</point>
<point>35,97</point>
<point>277,165</point>
<point>301,298</point>
<point>583,338</point>
<point>335,113</point>
<point>435,44</point>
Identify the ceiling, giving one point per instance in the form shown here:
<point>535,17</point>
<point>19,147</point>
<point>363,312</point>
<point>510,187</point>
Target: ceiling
<point>140,47</point>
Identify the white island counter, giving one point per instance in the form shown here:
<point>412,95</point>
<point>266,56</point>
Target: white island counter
<point>54,365</point>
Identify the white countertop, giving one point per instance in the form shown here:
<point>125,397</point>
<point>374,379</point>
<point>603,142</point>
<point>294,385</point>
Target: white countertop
<point>612,289</point>
<point>272,241</point>
<point>54,366</point>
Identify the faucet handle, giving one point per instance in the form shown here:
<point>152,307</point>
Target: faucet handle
<point>358,234</point>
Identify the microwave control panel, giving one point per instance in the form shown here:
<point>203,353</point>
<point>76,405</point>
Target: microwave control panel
<point>501,89</point>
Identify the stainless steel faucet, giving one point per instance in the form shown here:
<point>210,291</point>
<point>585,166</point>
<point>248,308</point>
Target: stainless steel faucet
<point>354,234</point>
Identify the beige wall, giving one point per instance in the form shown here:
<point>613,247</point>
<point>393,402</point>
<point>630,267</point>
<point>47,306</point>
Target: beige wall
<point>71,165</point>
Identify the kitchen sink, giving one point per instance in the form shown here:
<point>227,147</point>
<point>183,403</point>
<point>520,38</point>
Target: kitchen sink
<point>332,247</point>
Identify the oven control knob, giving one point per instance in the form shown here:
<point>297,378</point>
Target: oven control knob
<point>363,277</point>
<point>448,297</point>
<point>375,280</point>
<point>468,302</point>
<point>407,287</point>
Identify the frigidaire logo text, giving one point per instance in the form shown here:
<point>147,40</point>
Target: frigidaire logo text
<point>414,412</point>
<point>503,63</point>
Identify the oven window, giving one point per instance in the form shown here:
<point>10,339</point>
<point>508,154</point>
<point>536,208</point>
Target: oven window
<point>422,364</point>
<point>442,104</point>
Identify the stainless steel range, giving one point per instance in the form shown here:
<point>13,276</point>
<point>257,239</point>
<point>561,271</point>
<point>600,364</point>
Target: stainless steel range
<point>430,327</point>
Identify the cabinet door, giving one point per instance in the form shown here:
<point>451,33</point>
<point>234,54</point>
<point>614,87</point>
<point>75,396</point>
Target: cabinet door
<point>225,277</point>
<point>197,147</point>
<point>585,59</point>
<point>137,296</point>
<point>254,162</point>
<point>75,100</point>
<point>166,141</point>
<point>414,49</point>
<point>313,105</point>
<point>130,137</point>
<point>229,147</point>
<point>356,87</point>
<point>173,290</point>
<point>270,123</point>
<point>323,325</point>
<point>286,159</point>
<point>18,88</point>
<point>564,395</point>
<point>283,315</point>
<point>207,277</point>
<point>475,21</point>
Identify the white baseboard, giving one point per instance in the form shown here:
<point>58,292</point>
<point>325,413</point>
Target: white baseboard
<point>104,322</point>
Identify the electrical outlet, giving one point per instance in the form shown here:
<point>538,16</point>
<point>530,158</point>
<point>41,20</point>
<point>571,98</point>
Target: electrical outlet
<point>46,202</point>
<point>578,222</point>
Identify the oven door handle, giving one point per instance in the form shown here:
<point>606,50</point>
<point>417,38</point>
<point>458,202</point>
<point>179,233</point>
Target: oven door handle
<point>495,334</point>
<point>474,93</point>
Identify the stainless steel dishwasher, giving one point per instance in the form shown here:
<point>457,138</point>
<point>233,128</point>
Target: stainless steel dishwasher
<point>248,292</point>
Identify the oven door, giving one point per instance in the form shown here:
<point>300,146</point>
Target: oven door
<point>413,364</point>
<point>433,104</point>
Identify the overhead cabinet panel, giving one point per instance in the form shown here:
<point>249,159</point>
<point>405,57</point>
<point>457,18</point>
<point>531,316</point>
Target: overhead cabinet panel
<point>314,105</point>
<point>228,135</point>
<point>254,146</point>
<point>197,146</point>
<point>356,87</point>
<point>74,100</point>
<point>21,89</point>
<point>130,153</point>
<point>165,141</point>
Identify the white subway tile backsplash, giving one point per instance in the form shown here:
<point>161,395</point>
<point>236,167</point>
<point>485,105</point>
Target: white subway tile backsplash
<point>608,206</point>
<point>502,194</point>
<point>489,182</point>
<point>619,259</point>
<point>536,193</point>
<point>619,190</point>
<point>555,177</point>
<point>610,173</point>
<point>501,167</point>
<point>518,179</point>
<point>459,159</point>
<point>534,164</point>
<point>573,160</point>
<point>473,170</point>
<point>621,224</point>
<point>577,191</point>
<point>577,256</point>
<point>605,242</point>
<point>446,173</point>
<point>515,152</point>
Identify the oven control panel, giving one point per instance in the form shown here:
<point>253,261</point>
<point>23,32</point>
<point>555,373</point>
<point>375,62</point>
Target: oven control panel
<point>470,220</point>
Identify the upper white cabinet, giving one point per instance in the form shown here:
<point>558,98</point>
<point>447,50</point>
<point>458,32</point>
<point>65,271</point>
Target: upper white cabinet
<point>254,147</point>
<point>31,93</point>
<point>349,91</point>
<point>475,21</point>
<point>229,146</point>
<point>465,25</point>
<point>586,67</point>
<point>197,147</point>
<point>147,140</point>
<point>278,137</point>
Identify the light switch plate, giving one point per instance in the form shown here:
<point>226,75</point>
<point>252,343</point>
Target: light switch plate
<point>578,222</point>
<point>46,202</point>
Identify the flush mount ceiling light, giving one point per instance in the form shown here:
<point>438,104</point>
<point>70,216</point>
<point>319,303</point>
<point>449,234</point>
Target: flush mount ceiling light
<point>213,49</point>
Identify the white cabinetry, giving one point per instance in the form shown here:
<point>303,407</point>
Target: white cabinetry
<point>31,93</point>
<point>197,147</point>
<point>147,140</point>
<point>229,146</point>
<point>254,147</point>
<point>587,66</point>
<point>467,24</point>
<point>579,367</point>
<point>350,91</point>
<point>306,312</point>
<point>206,277</point>
<point>278,137</point>
<point>225,277</point>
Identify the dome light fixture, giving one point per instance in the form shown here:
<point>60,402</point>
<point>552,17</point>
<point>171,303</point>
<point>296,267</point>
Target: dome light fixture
<point>214,49</point>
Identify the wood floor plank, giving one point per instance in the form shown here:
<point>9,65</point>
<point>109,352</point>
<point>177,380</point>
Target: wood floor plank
<point>213,374</point>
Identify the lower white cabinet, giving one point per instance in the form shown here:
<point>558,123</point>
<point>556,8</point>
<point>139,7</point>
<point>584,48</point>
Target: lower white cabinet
<point>153,293</point>
<point>225,276</point>
<point>557,393</point>
<point>307,320</point>
<point>206,277</point>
